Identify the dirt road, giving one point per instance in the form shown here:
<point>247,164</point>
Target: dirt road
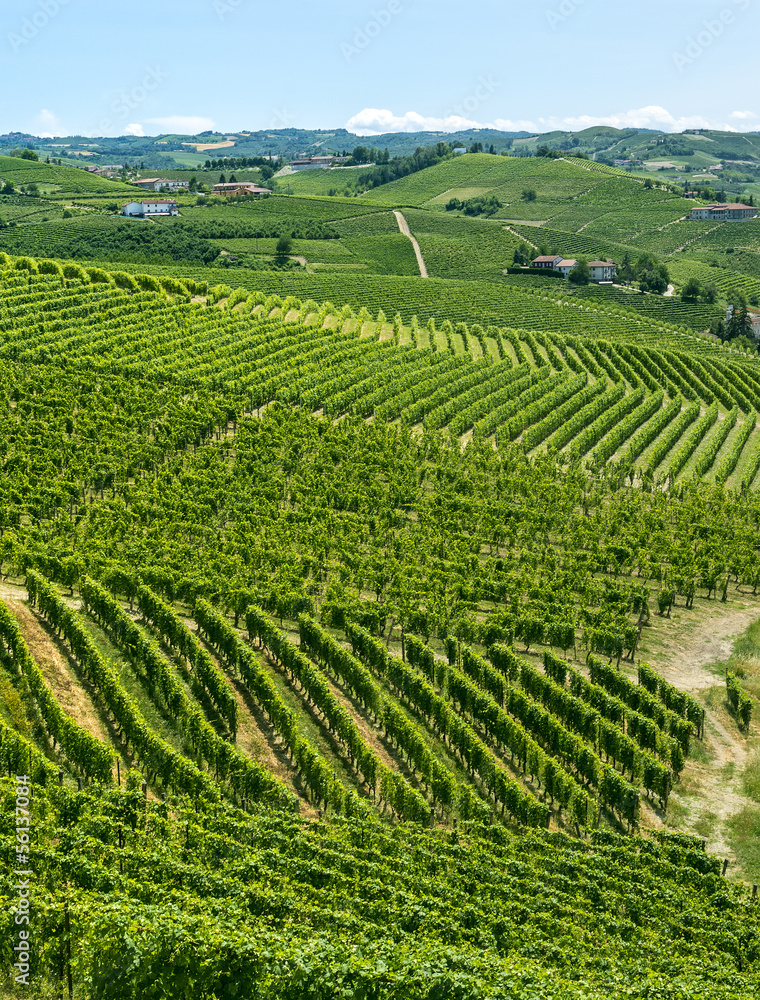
<point>403,225</point>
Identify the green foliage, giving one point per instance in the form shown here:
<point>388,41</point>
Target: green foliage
<point>738,699</point>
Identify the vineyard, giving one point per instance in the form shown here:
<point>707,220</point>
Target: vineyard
<point>366,635</point>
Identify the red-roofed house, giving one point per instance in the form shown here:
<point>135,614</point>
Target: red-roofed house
<point>547,261</point>
<point>566,266</point>
<point>239,187</point>
<point>725,212</point>
<point>602,270</point>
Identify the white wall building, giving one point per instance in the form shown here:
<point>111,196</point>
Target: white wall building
<point>565,266</point>
<point>161,183</point>
<point>724,212</point>
<point>602,270</point>
<point>156,206</point>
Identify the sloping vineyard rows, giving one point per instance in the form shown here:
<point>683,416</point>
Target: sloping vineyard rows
<point>83,751</point>
<point>405,801</point>
<point>157,756</point>
<point>204,883</point>
<point>319,778</point>
<point>279,366</point>
<point>438,715</point>
<point>247,779</point>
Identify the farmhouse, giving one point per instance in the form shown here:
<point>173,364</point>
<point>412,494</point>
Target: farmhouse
<point>724,213</point>
<point>601,270</point>
<point>548,262</point>
<point>565,266</point>
<point>161,183</point>
<point>238,188</point>
<point>156,206</point>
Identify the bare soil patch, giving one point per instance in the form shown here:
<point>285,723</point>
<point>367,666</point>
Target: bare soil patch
<point>58,673</point>
<point>689,652</point>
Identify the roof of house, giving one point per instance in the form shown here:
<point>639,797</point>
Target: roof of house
<point>602,263</point>
<point>736,204</point>
<point>546,258</point>
<point>569,262</point>
<point>248,185</point>
<point>151,201</point>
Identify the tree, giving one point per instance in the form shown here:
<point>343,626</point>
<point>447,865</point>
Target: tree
<point>740,323</point>
<point>745,342</point>
<point>529,195</point>
<point>522,255</point>
<point>284,244</point>
<point>580,274</point>
<point>626,272</point>
<point>652,276</point>
<point>691,290</point>
<point>710,292</point>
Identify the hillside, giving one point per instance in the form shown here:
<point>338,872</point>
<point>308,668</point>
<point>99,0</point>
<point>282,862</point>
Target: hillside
<point>54,181</point>
<point>371,634</point>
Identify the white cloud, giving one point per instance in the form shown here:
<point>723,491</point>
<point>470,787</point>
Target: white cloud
<point>134,129</point>
<point>742,115</point>
<point>46,125</point>
<point>183,124</point>
<point>375,121</point>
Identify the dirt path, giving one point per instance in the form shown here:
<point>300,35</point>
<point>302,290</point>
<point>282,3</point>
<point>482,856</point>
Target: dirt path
<point>685,652</point>
<point>11,592</point>
<point>688,656</point>
<point>58,673</point>
<point>403,226</point>
<point>669,293</point>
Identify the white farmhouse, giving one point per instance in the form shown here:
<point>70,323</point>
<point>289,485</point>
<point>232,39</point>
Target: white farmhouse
<point>547,261</point>
<point>602,270</point>
<point>724,212</point>
<point>156,206</point>
<point>565,266</point>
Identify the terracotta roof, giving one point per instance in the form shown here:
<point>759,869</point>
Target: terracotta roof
<point>546,258</point>
<point>601,263</point>
<point>735,204</point>
<point>239,184</point>
<point>571,262</point>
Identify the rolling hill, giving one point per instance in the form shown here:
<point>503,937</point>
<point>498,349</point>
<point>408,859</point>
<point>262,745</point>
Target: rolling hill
<point>365,634</point>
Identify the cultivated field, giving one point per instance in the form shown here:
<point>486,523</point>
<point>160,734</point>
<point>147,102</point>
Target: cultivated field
<point>368,634</point>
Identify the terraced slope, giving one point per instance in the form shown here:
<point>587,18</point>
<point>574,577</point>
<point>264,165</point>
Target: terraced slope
<point>335,619</point>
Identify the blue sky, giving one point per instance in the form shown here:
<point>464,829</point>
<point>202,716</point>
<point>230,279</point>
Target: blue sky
<point>149,66</point>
